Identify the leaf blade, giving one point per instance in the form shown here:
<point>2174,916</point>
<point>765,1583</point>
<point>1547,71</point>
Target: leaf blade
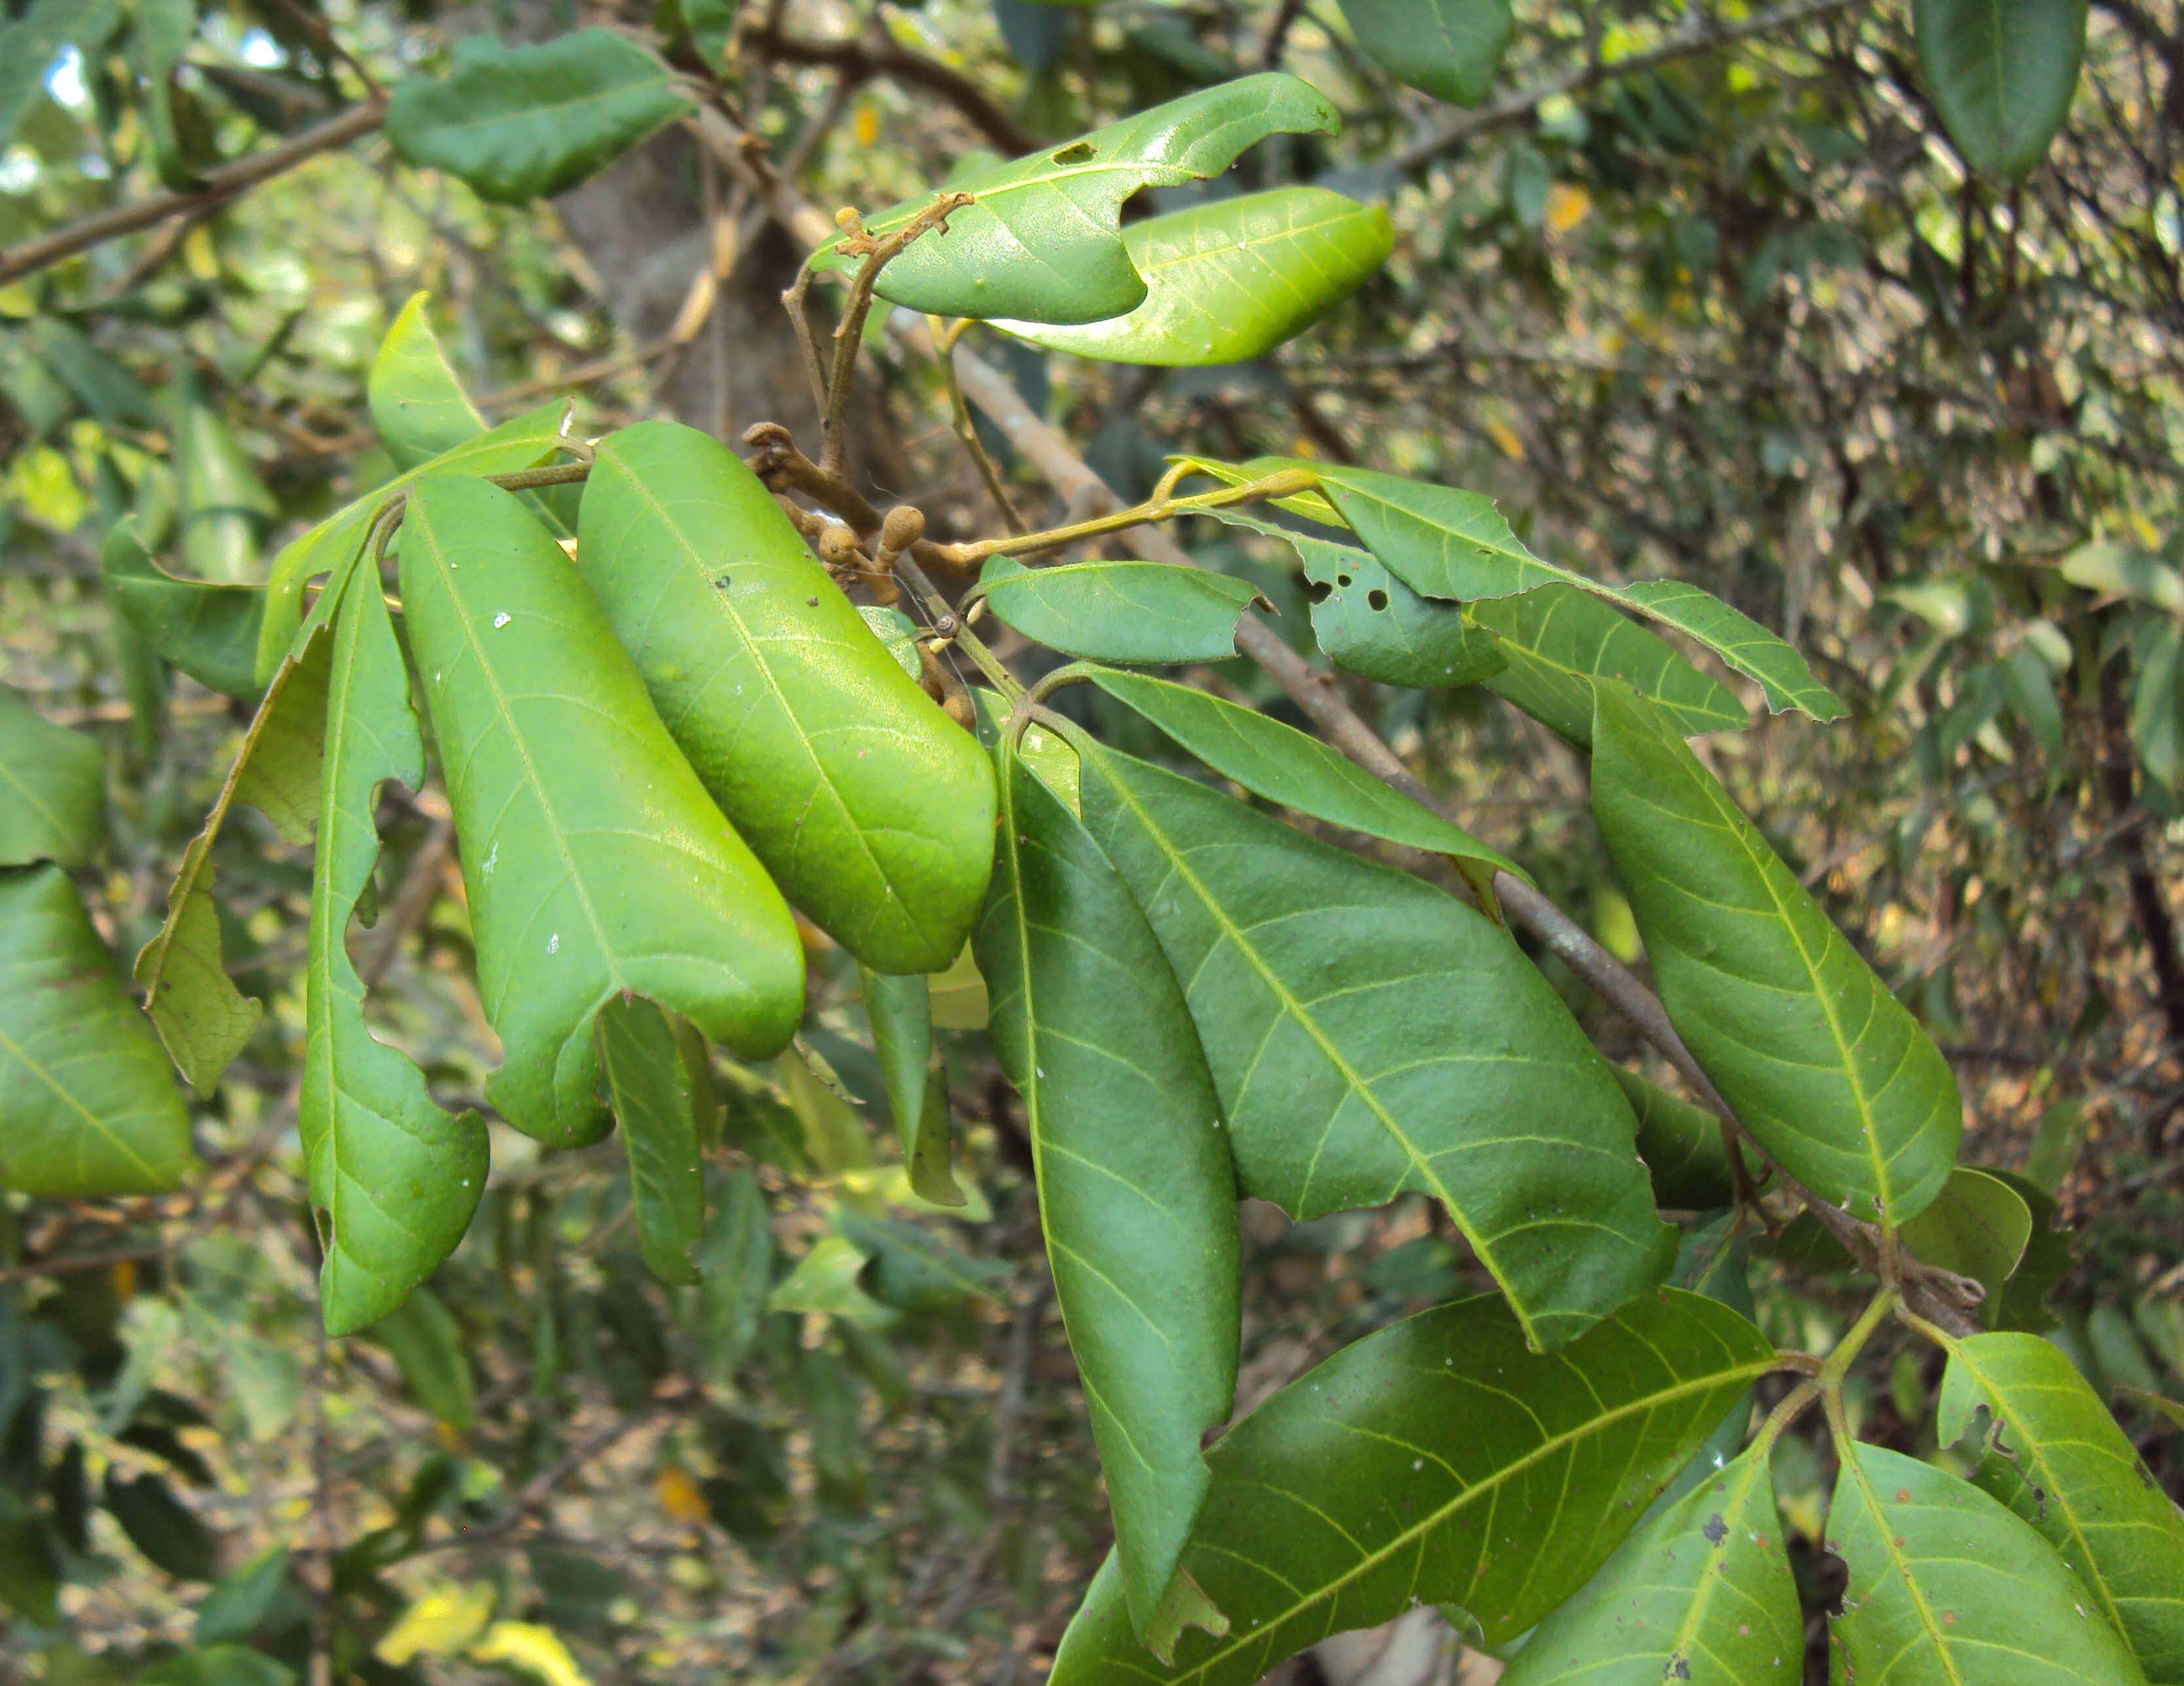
<point>418,405</point>
<point>2002,78</point>
<point>1119,612</point>
<point>53,789</point>
<point>650,1096</point>
<point>1451,48</point>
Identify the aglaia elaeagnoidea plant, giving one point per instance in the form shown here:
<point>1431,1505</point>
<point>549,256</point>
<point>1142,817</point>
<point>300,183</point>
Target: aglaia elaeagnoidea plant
<point>678,695</point>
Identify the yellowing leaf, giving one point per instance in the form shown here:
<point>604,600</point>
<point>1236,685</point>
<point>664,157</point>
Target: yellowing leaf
<point>1567,205</point>
<point>436,1624</point>
<point>1505,439</point>
<point>679,1496</point>
<point>533,1648</point>
<point>867,124</point>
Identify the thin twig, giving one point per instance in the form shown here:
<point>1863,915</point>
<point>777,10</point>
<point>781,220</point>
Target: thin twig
<point>849,331</point>
<point>966,430</point>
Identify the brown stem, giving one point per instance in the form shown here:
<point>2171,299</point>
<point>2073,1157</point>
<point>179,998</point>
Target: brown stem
<point>849,331</point>
<point>860,60</point>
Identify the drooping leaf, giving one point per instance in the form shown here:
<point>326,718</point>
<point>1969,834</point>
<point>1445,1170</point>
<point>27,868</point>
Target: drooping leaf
<point>1977,1225</point>
<point>900,1009</point>
<point>1296,770</point>
<point>1230,279</point>
<point>2061,1463</point>
<point>1451,48</point>
<point>334,545</point>
<point>735,1268</point>
<point>1447,543</point>
<point>650,1091</point>
<point>1370,1035</point>
<point>1436,1461</point>
<point>209,630</point>
<point>593,861</point>
<point>1119,612</point>
<point>428,1347</point>
<point>1823,1065</point>
<point>1947,1587</point>
<point>202,1017</point>
<point>1556,641</point>
<point>1135,1192</point>
<point>393,1179</point>
<point>870,808</point>
<point>220,503</point>
<point>87,1108</point>
<point>52,789</point>
<point>1043,240</point>
<point>418,405</point>
<point>2023,1302</point>
<point>1703,1592</point>
<point>2001,74</point>
<point>1681,1146</point>
<point>523,123</point>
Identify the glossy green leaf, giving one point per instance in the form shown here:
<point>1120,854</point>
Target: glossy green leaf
<point>393,1179</point>
<point>1437,1461</point>
<point>86,1105</point>
<point>334,545</point>
<point>209,630</point>
<point>1451,48</point>
<point>1556,641</point>
<point>1042,241</point>
<point>900,1009</point>
<point>2001,73</point>
<point>2057,1458</point>
<point>220,500</point>
<point>522,122</point>
<point>734,1258</point>
<point>1296,770</point>
<point>1119,612</point>
<point>1947,1587</point>
<point>418,405</point>
<point>1453,544</point>
<point>1823,1065</point>
<point>1977,1225</point>
<point>593,861</point>
<point>1682,1147</point>
<point>202,1017</point>
<point>1702,1592</point>
<point>1370,1035</point>
<point>1135,1192</point>
<point>52,789</point>
<point>429,1347</point>
<point>1229,280</point>
<point>650,1091</point>
<point>874,811</point>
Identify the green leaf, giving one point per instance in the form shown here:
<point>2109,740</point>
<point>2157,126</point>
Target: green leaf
<point>1370,1035</point>
<point>1947,1587</point>
<point>161,31</point>
<point>335,544</point>
<point>1119,612</point>
<point>874,810</point>
<point>209,630</point>
<point>418,405</point>
<point>220,501</point>
<point>900,1009</point>
<point>1557,640</point>
<point>160,1526</point>
<point>1681,1146</point>
<point>2057,1459</point>
<point>897,633</point>
<point>393,1179</point>
<point>649,1090</point>
<point>1447,543</point>
<point>734,1258</point>
<point>2157,697</point>
<point>217,1665</point>
<point>52,789</point>
<point>1371,624</point>
<point>202,1017</point>
<point>1135,1192</point>
<point>916,1271</point>
<point>824,1283</point>
<point>2124,571</point>
<point>242,1598</point>
<point>2001,74</point>
<point>1978,1227</point>
<point>1822,1064</point>
<point>31,43</point>
<point>1042,241</point>
<point>2023,1303</point>
<point>1451,48</point>
<point>1702,1592</point>
<point>1297,770</point>
<point>523,123</point>
<point>429,1347</point>
<point>1309,504</point>
<point>1441,1461</point>
<point>90,1110</point>
<point>1229,280</point>
<point>593,861</point>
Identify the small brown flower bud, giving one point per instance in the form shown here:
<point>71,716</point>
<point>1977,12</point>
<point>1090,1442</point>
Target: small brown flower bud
<point>904,526</point>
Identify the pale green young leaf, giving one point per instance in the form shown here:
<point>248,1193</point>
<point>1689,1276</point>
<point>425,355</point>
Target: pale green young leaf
<point>1438,1461</point>
<point>593,861</point>
<point>1451,48</point>
<point>1229,280</point>
<point>648,1090</point>
<point>2057,1458</point>
<point>1949,1589</point>
<point>1829,1071</point>
<point>209,630</point>
<point>1369,1035</point>
<point>1043,240</point>
<point>87,1107</point>
<point>900,1009</point>
<point>1119,612</point>
<point>523,123</point>
<point>1135,1191</point>
<point>418,405</point>
<point>52,789</point>
<point>2002,74</point>
<point>1556,641</point>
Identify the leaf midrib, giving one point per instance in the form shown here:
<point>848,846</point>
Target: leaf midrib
<point>1902,1565</point>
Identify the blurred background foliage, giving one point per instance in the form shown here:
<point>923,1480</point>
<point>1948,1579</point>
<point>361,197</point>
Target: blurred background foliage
<point>1698,289</point>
